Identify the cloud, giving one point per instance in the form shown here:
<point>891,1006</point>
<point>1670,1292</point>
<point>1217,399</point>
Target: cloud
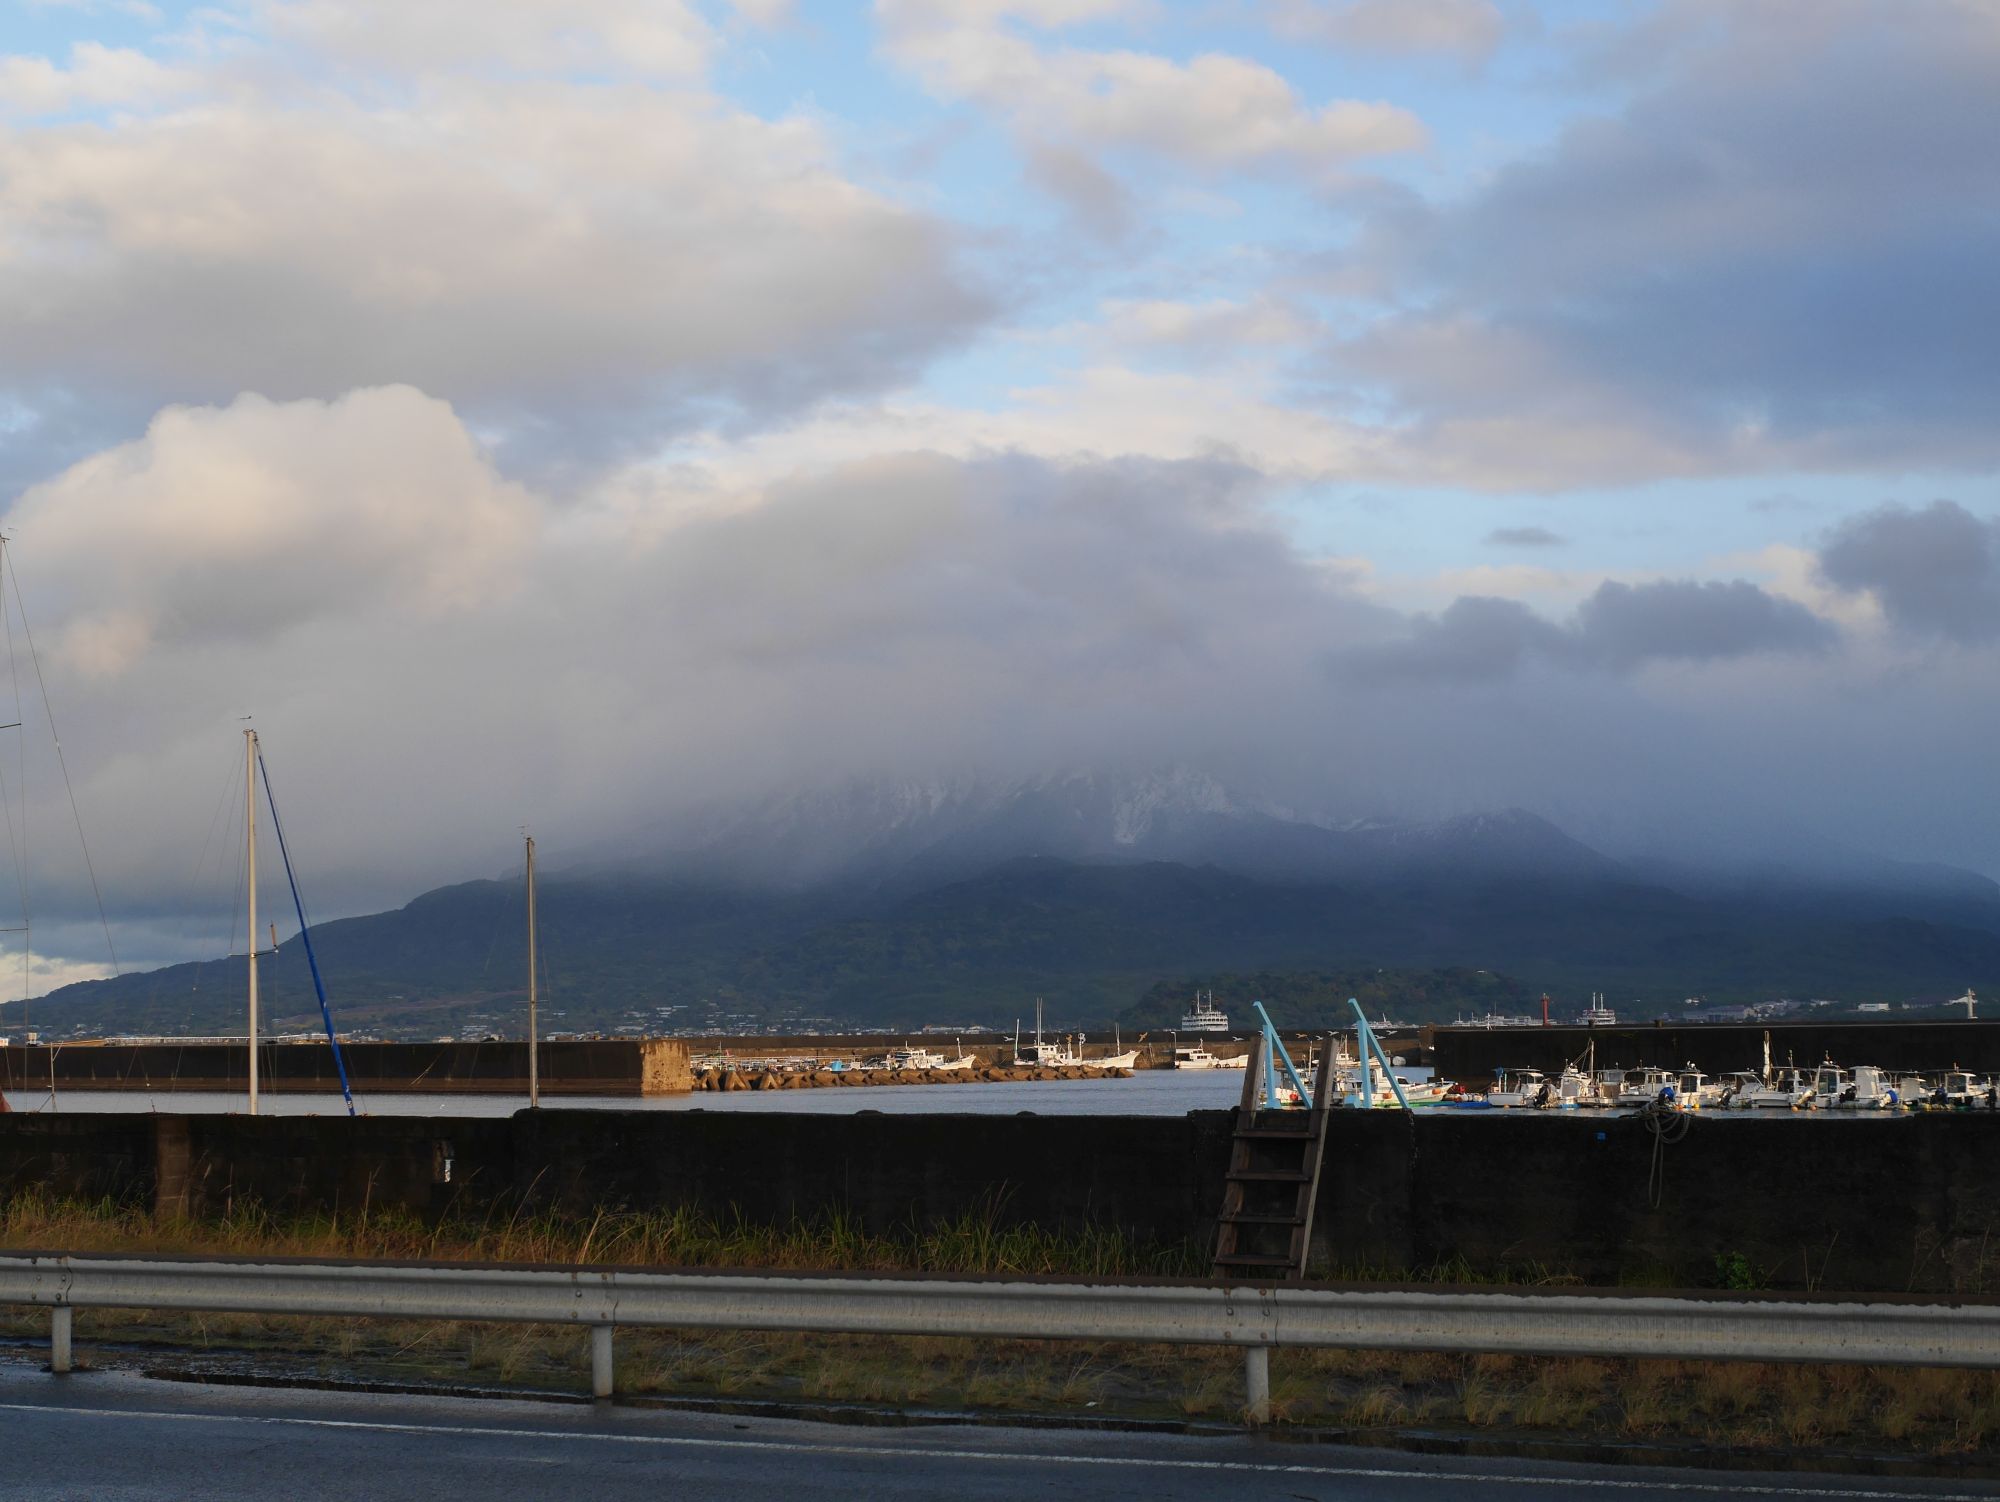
<point>581,262</point>
<point>1774,256</point>
<point>1933,571</point>
<point>1212,112</point>
<point>654,39</point>
<point>96,76</point>
<point>435,654</point>
<point>1619,628</point>
<point>1524,537</point>
<point>228,529</point>
<point>1468,30</point>
<point>1622,626</point>
<point>1095,198</point>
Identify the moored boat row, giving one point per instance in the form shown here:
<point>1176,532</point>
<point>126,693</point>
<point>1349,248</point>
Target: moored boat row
<point>1826,1087</point>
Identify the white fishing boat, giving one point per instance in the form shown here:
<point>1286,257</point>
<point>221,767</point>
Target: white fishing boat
<point>1043,1053</point>
<point>1120,1056</point>
<point>1574,1089</point>
<point>1828,1081</point>
<point>1194,1056</point>
<point>1693,1090</point>
<point>919,1057</point>
<point>1912,1090</point>
<point>1736,1088</point>
<point>1786,1089</point>
<point>1647,1084</point>
<point>1204,1016</point>
<point>1865,1088</point>
<point>1962,1090</point>
<point>1516,1088</point>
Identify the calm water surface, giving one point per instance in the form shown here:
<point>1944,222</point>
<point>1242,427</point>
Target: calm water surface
<point>1151,1092</point>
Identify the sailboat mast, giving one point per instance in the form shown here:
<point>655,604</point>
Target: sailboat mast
<point>534,1071</point>
<point>250,932</point>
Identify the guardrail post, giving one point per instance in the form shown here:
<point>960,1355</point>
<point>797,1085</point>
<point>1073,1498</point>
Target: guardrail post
<point>600,1361</point>
<point>1257,1384</point>
<point>61,1323</point>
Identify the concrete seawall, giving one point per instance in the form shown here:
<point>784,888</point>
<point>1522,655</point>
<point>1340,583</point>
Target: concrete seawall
<point>598,1066</point>
<point>1878,1205</point>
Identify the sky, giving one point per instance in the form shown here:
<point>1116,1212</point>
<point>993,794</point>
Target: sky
<point>568,415</point>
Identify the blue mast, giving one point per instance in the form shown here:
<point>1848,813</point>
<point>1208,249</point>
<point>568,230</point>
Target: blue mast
<point>305,933</point>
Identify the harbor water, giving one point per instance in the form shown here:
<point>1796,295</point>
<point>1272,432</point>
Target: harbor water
<point>1150,1092</point>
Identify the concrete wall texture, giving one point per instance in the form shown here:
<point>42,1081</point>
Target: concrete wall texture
<point>1876,1204</point>
<point>568,1066</point>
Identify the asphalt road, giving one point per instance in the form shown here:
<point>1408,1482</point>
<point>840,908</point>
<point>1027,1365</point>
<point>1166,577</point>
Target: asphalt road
<point>119,1437</point>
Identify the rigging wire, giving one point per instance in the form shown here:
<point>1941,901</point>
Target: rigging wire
<point>20,852</point>
<point>305,932</point>
<point>34,658</point>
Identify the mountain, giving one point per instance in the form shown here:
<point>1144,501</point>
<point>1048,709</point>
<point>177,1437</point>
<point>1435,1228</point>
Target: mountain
<point>897,904</point>
<point>921,833</point>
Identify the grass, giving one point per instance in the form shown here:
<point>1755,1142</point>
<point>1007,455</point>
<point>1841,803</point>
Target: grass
<point>1915,1412</point>
<point>671,1238</point>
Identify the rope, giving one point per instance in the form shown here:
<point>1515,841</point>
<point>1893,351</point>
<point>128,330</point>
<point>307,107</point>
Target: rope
<point>1668,1126</point>
<point>74,813</point>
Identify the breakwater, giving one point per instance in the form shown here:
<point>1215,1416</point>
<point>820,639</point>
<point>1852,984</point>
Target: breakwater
<point>1471,1054</point>
<point>582,1066</point>
<point>1876,1205</point>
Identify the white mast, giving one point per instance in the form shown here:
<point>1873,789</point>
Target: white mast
<point>534,1073</point>
<point>250,933</point>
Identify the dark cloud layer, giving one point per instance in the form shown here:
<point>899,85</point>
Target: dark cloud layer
<point>1783,250</point>
<point>1620,628</point>
<point>1935,571</point>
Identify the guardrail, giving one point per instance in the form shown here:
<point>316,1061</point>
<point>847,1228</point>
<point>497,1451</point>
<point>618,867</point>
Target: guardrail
<point>1257,1317</point>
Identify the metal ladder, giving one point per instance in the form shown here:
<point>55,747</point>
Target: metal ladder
<point>1265,1226</point>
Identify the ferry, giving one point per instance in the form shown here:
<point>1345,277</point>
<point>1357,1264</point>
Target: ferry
<point>1204,1016</point>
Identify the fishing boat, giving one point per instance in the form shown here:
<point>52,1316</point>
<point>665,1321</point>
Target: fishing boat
<point>1194,1056</point>
<point>1867,1089</point>
<point>1693,1090</point>
<point>1962,1090</point>
<point>1785,1089</point>
<point>1736,1088</point>
<point>1043,1053</point>
<point>1516,1088</point>
<point>1574,1089</point>
<point>1414,1092</point>
<point>1646,1084</point>
<point>1120,1056</point>
<point>907,1057</point>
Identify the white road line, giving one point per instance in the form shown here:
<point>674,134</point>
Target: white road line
<point>1012,1457</point>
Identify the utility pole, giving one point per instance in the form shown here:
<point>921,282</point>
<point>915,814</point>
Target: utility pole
<point>250,931</point>
<point>534,1070</point>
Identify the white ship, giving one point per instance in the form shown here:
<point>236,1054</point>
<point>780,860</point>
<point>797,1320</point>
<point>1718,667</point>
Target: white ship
<point>1204,1016</point>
